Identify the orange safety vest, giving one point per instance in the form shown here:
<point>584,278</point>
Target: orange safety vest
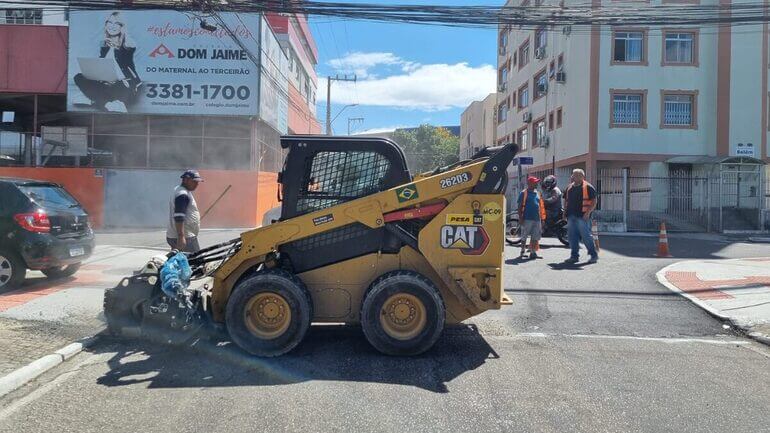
<point>587,202</point>
<point>524,203</point>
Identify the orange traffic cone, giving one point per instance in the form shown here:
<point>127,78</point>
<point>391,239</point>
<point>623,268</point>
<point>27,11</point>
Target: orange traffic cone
<point>595,234</point>
<point>663,242</point>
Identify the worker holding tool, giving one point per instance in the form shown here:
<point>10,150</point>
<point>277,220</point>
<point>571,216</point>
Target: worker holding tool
<point>184,217</point>
<point>531,215</point>
<point>580,202</point>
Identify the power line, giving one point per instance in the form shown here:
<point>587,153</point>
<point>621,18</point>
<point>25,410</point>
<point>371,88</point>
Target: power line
<point>577,14</point>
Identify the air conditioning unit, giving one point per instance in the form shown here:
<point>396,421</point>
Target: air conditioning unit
<point>501,87</point>
<point>526,117</point>
<point>566,30</point>
<point>540,53</point>
<point>544,142</point>
<point>561,77</point>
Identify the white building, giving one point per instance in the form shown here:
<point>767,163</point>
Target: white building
<point>478,126</point>
<point>656,100</point>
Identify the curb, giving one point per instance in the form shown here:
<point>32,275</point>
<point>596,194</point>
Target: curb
<point>23,375</point>
<point>661,277</point>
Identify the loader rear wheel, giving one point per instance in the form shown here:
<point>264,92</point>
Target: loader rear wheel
<point>268,314</point>
<point>402,313</point>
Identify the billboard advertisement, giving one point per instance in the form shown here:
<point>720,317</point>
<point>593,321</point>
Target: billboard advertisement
<point>163,62</point>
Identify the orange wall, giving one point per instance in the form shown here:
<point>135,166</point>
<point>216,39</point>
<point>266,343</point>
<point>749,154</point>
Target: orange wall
<point>238,207</point>
<point>80,182</point>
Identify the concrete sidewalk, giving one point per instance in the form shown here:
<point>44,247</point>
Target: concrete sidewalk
<point>737,290</point>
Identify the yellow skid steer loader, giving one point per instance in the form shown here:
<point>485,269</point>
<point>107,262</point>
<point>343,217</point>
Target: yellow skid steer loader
<point>359,241</point>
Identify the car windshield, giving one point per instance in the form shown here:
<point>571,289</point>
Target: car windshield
<point>48,195</point>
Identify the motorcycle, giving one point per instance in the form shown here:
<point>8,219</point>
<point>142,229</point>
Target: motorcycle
<point>553,228</point>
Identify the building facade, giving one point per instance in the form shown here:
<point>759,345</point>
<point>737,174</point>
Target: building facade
<point>222,112</point>
<point>597,96</point>
<point>297,41</point>
<point>653,100</point>
<point>478,126</point>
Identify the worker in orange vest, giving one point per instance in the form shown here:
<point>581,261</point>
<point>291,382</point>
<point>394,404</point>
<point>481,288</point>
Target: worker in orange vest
<point>531,217</point>
<point>580,202</point>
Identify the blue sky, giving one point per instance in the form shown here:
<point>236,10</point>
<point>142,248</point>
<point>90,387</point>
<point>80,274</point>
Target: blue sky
<point>408,74</point>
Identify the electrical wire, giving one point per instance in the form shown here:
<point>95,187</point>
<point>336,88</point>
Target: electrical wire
<point>575,14</point>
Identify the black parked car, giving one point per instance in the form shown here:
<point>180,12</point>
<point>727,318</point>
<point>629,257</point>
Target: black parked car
<point>42,227</point>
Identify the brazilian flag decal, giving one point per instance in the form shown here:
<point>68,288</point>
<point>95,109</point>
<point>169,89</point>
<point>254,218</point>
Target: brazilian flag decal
<point>406,193</point>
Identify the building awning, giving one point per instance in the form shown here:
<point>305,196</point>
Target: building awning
<point>695,159</point>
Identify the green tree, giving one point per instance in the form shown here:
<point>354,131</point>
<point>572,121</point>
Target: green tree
<point>428,147</point>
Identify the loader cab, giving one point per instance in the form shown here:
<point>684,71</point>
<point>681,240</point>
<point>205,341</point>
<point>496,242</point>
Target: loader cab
<point>322,171</point>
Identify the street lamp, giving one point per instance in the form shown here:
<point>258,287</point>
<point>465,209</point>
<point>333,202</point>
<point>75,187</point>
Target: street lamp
<point>352,120</point>
<point>329,132</point>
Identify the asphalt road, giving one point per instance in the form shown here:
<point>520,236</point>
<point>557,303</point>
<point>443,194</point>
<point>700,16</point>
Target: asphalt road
<point>586,348</point>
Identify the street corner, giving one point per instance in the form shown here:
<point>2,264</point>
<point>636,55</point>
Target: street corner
<point>737,290</point>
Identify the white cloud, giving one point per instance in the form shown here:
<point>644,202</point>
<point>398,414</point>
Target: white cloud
<point>360,63</point>
<point>379,130</point>
<point>427,87</point>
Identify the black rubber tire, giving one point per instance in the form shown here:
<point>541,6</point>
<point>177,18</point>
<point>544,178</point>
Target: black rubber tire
<point>562,234</point>
<point>61,272</point>
<point>414,284</point>
<point>18,270</point>
<point>123,305</point>
<point>294,292</point>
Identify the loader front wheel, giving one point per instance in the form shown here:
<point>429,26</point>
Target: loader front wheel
<point>268,314</point>
<point>402,314</point>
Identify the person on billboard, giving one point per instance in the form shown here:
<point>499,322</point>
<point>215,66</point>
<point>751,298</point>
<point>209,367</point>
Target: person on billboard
<point>96,84</point>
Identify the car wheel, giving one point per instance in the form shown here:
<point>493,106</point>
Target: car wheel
<point>12,270</point>
<point>61,271</point>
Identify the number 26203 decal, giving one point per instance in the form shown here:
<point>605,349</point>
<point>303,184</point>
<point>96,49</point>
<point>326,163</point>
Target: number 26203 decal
<point>456,180</point>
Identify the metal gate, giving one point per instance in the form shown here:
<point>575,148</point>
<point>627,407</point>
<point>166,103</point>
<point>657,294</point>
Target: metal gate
<point>138,198</point>
<point>740,197</point>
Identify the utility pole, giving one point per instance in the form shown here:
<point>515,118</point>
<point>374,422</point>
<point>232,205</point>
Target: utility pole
<point>352,120</point>
<point>329,80</point>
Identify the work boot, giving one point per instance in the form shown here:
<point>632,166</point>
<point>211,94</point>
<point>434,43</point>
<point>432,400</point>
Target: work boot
<point>571,260</point>
<point>593,259</point>
<point>533,255</point>
<point>523,252</point>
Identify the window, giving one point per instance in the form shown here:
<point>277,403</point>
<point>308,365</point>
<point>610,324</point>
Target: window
<point>559,117</point>
<point>337,177</point>
<point>503,78</point>
<point>502,112</point>
<point>560,63</point>
<point>550,121</point>
<point>503,41</point>
<point>552,70</point>
<point>514,59</point>
<point>679,109</point>
<point>21,16</point>
<point>523,138</point>
<point>523,96</point>
<point>541,85</point>
<point>541,38</point>
<point>524,54</point>
<point>679,48</point>
<point>538,129</point>
<point>628,109</point>
<point>629,47</point>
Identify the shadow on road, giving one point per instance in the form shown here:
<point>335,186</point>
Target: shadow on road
<point>327,353</point>
<point>681,248</point>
